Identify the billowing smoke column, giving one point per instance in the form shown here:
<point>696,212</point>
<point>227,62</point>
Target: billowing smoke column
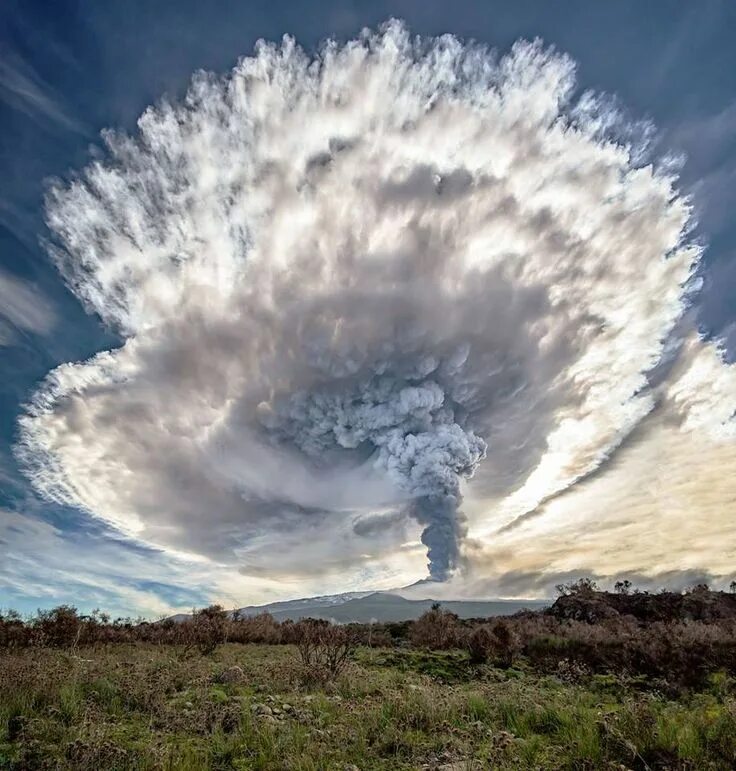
<point>343,282</point>
<point>410,427</point>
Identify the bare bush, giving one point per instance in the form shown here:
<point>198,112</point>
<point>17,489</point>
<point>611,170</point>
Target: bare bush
<point>674,639</point>
<point>496,642</point>
<point>58,628</point>
<point>479,644</point>
<point>436,629</point>
<point>583,586</point>
<point>263,629</point>
<point>14,633</point>
<point>323,650</point>
<point>205,630</point>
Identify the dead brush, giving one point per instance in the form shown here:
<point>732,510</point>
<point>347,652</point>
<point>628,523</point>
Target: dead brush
<point>495,642</point>
<point>437,629</point>
<point>206,630</point>
<point>323,651</point>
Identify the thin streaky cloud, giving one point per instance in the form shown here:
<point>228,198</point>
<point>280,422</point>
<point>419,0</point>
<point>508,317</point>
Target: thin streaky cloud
<point>23,89</point>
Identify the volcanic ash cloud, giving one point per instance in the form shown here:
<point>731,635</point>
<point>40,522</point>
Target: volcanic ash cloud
<point>347,284</point>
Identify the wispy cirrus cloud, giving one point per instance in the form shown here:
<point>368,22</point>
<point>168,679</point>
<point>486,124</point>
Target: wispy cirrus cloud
<point>23,307</point>
<point>22,88</point>
<point>43,565</point>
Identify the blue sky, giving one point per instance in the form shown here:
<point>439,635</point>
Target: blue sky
<point>71,69</point>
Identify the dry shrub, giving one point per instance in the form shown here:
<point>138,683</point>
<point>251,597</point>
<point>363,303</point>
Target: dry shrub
<point>683,654</point>
<point>496,642</point>
<point>673,639</point>
<point>13,632</point>
<point>59,628</point>
<point>377,638</point>
<point>262,629</point>
<point>436,629</point>
<point>323,650</point>
<point>205,630</point>
<point>106,754</point>
<point>479,644</point>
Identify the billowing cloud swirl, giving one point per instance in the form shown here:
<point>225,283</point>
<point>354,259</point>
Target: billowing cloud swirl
<point>346,285</point>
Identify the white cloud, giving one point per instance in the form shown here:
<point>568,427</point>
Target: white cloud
<point>23,89</point>
<point>22,306</point>
<point>703,391</point>
<point>303,253</point>
<point>658,513</point>
<point>39,560</point>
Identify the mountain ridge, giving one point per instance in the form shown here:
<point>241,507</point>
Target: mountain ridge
<point>367,607</point>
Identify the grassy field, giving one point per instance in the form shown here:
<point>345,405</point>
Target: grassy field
<point>151,707</point>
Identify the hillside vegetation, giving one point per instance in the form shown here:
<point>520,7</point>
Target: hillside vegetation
<point>598,681</point>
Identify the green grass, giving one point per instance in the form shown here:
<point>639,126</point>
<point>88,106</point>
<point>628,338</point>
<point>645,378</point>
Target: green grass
<point>147,707</point>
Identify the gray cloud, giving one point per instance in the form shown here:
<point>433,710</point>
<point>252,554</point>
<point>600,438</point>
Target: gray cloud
<point>371,285</point>
<point>371,524</point>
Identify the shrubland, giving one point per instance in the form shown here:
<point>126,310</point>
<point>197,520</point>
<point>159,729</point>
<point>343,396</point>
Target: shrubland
<point>599,680</point>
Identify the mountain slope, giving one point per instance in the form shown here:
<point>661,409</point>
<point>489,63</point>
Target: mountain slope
<point>383,606</point>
